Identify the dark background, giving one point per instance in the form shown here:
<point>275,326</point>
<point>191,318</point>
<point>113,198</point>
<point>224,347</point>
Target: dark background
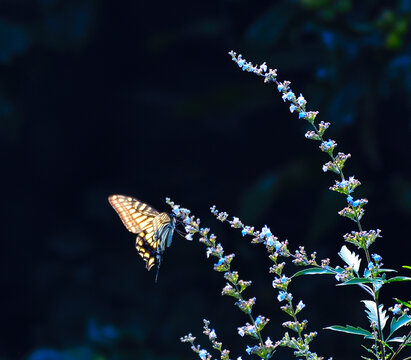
<point>141,98</point>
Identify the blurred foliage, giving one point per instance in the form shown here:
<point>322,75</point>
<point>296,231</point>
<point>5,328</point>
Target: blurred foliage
<point>139,98</point>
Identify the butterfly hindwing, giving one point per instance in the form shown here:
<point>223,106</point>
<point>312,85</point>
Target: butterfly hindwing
<point>147,251</point>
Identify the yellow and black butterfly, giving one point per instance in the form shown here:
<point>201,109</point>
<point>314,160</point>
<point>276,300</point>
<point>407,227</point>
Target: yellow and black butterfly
<point>154,230</point>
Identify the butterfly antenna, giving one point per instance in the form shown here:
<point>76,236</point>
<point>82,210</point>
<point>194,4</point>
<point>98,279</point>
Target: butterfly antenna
<point>181,233</point>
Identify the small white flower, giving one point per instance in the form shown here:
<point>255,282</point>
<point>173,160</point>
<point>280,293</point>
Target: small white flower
<point>300,305</point>
<point>396,310</point>
<point>268,342</point>
<point>301,101</point>
<point>202,354</point>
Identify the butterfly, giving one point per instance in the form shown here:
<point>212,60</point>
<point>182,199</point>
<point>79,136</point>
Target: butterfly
<point>154,229</point>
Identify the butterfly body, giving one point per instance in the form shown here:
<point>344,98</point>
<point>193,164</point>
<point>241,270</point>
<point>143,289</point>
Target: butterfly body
<point>154,230</point>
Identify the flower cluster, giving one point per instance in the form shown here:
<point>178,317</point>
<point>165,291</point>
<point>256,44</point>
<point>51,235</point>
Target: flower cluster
<point>202,353</point>
<point>277,249</point>
<point>362,239</point>
<point>234,286</point>
<point>253,329</point>
<point>212,336</point>
<point>262,70</point>
<point>297,104</point>
<point>345,187</point>
<point>337,164</point>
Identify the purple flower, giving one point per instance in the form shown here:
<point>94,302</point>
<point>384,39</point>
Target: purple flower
<point>377,258</point>
<point>290,95</point>
<point>396,310</point>
<point>281,296</point>
<point>302,115</point>
<point>300,305</point>
<point>284,279</point>
<point>356,203</point>
<point>270,241</point>
<point>301,101</point>
<point>240,62</point>
<point>265,232</point>
<point>202,354</point>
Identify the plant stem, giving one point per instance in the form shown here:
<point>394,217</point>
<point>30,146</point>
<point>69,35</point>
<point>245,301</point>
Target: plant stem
<point>249,315</point>
<point>380,335</point>
<point>408,337</point>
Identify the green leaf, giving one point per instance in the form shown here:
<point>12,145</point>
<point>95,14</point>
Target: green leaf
<point>357,281</point>
<point>398,278</point>
<point>350,258</point>
<point>397,323</point>
<point>351,330</point>
<point>371,310</point>
<point>406,267</point>
<point>397,339</point>
<point>386,270</point>
<point>313,271</point>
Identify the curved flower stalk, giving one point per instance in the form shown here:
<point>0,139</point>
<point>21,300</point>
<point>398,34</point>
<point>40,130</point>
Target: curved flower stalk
<point>202,353</point>
<point>235,287</point>
<point>374,276</point>
<point>265,348</point>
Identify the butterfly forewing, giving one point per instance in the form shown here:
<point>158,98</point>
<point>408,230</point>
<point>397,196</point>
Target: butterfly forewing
<point>154,230</point>
<point>135,215</point>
